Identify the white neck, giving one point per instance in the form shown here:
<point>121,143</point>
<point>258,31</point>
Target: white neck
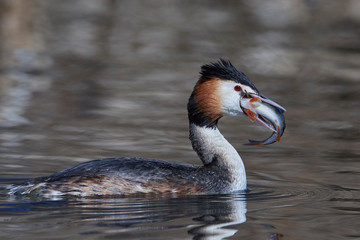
<point>211,145</point>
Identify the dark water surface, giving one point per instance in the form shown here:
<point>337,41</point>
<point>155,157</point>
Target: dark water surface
<point>96,79</point>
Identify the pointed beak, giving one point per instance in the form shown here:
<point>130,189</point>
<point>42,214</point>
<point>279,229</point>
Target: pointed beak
<point>268,113</point>
<point>269,101</point>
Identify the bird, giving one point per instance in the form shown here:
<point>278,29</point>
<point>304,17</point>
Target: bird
<point>221,90</point>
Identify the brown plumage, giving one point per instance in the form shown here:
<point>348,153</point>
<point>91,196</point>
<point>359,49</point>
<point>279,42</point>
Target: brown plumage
<point>207,98</point>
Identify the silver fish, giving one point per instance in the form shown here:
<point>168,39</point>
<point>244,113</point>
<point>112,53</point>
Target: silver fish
<point>269,115</point>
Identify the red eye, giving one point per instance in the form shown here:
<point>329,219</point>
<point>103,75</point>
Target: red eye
<point>237,88</point>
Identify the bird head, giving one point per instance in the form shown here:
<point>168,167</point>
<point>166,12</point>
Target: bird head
<point>223,90</point>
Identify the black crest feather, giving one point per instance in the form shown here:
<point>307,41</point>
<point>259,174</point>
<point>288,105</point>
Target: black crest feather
<point>224,70</point>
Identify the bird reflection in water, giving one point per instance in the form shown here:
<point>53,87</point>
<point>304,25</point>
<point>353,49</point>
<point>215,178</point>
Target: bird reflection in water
<point>210,217</point>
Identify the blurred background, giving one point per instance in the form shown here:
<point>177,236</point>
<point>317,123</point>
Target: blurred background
<point>85,79</point>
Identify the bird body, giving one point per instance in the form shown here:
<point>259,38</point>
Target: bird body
<point>221,90</point>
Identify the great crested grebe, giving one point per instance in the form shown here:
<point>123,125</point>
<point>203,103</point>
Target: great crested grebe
<point>220,90</point>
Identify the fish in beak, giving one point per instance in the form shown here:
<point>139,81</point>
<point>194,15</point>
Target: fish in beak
<point>267,112</point>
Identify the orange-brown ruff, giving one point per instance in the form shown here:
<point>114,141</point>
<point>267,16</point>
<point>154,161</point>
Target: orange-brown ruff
<point>219,91</point>
<point>207,98</point>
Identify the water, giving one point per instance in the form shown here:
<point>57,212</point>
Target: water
<point>98,79</point>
